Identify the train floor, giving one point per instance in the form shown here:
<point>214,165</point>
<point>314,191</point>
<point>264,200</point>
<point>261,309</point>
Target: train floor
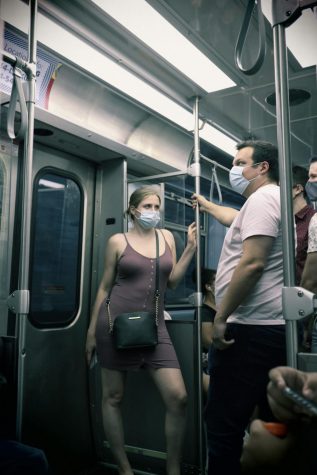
<point>113,471</point>
<point>102,469</point>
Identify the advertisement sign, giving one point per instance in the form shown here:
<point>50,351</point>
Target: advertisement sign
<point>16,44</point>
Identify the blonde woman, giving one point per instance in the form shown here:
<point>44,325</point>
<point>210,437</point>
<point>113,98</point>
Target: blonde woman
<point>129,273</point>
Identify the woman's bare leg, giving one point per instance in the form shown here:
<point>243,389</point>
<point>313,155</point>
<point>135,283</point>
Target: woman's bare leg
<point>113,383</point>
<point>171,386</point>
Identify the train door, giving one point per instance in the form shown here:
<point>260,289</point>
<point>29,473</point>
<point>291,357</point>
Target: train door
<point>52,405</point>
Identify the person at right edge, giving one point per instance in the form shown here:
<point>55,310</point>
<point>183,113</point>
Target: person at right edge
<point>249,329</point>
<point>302,422</point>
<point>289,446</point>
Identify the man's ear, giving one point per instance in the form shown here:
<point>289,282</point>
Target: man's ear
<point>265,166</point>
<point>299,189</point>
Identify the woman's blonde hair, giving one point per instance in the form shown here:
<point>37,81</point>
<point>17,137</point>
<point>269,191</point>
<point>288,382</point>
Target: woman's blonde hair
<point>139,195</point>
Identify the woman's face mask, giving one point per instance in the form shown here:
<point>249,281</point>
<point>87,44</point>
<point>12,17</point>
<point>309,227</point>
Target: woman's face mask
<point>237,181</point>
<point>148,219</point>
<point>311,190</point>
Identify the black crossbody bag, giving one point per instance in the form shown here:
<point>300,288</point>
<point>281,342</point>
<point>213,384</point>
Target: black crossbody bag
<point>136,329</point>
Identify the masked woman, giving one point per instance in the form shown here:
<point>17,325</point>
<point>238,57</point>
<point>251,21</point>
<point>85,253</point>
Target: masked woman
<point>129,275</point>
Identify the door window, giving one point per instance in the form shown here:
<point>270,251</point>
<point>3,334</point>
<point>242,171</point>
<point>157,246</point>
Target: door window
<point>55,261</point>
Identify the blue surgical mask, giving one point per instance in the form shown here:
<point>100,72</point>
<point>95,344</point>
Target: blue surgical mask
<point>237,181</point>
<point>311,190</point>
<point>148,219</point>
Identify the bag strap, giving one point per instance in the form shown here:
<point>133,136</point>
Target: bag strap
<point>157,287</point>
<point>157,278</point>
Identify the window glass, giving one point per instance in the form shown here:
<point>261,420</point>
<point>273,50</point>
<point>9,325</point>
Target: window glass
<point>55,263</point>
<point>186,287</point>
<point>178,202</point>
<point>216,231</point>
<point>179,213</point>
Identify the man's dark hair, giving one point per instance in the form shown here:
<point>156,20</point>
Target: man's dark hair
<point>300,177</point>
<point>263,152</point>
<point>313,159</point>
<point>207,276</point>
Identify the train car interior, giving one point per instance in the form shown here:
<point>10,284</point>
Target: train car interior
<point>127,93</point>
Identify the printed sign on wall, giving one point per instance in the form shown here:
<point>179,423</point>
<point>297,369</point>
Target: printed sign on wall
<point>16,44</point>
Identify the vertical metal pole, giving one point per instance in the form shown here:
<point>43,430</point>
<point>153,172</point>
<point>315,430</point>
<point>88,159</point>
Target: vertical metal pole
<point>26,213</point>
<point>198,287</point>
<point>285,168</point>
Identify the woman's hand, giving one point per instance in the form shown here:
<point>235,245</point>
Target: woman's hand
<point>192,236</point>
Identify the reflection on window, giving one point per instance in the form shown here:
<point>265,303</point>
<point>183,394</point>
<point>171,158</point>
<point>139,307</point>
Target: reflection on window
<point>178,202</point>
<point>179,214</point>
<point>55,263</point>
<point>186,286</point>
<point>216,231</point>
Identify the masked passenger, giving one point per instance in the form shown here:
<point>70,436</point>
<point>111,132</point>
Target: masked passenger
<point>249,329</point>
<point>309,277</point>
<point>130,277</point>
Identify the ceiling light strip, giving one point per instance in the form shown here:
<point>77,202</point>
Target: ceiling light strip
<point>53,36</point>
<point>150,27</point>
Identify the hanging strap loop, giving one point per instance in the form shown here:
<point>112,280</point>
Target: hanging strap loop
<point>242,37</point>
<point>215,182</point>
<point>17,95</point>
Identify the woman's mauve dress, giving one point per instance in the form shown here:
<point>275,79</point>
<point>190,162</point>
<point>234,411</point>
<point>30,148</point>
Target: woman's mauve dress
<point>132,291</point>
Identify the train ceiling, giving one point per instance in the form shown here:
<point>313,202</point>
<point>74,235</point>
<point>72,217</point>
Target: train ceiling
<point>242,110</point>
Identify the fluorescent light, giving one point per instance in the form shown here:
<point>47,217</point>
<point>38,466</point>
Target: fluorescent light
<point>51,184</point>
<point>301,36</point>
<point>148,25</point>
<point>217,138</point>
<point>89,59</point>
